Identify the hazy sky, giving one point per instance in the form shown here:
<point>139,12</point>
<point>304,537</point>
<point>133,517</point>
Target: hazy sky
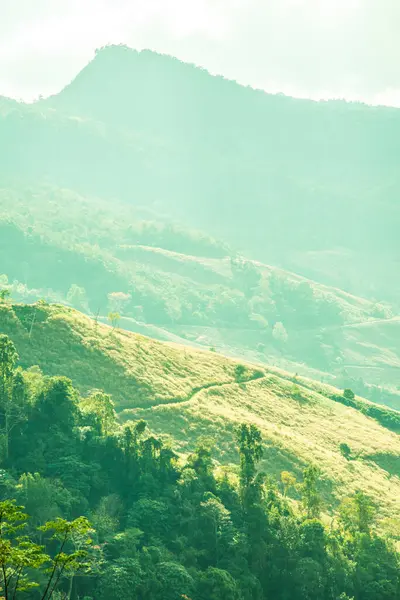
<point>314,48</point>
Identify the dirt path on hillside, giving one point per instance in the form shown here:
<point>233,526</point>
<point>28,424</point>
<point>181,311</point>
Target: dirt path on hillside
<point>208,386</point>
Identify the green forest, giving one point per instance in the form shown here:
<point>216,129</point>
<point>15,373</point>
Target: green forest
<point>94,509</point>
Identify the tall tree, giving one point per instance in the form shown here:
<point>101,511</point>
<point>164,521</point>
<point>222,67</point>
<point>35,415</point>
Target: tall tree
<point>311,497</point>
<point>250,451</point>
<point>101,406</point>
<point>18,555</point>
<point>357,513</point>
<point>9,412</point>
<point>5,294</point>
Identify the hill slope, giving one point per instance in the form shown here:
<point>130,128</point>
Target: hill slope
<point>102,184</point>
<point>136,370</point>
<point>294,182</point>
<point>184,393</point>
<point>311,187</point>
<point>167,280</point>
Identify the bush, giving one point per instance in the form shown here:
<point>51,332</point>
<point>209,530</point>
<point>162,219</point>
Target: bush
<point>240,371</point>
<point>348,394</point>
<point>345,450</point>
<point>279,333</point>
<point>296,392</point>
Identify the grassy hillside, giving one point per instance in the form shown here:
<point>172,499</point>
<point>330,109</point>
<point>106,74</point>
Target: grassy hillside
<point>80,250</point>
<point>299,426</point>
<point>185,393</point>
<point>136,370</point>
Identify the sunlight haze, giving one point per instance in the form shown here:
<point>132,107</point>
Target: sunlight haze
<point>199,300</point>
<point>308,48</point>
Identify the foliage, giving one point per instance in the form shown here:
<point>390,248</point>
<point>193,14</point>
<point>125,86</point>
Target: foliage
<point>184,394</point>
<point>5,294</point>
<point>345,450</point>
<point>114,318</point>
<point>168,525</point>
<point>279,333</point>
<point>22,560</point>
<point>311,497</point>
<point>100,406</point>
<point>168,528</point>
<point>357,512</point>
<point>77,297</point>
<point>240,371</point>
<point>386,416</point>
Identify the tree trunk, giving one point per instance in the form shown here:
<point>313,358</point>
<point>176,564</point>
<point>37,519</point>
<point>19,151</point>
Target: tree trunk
<point>71,585</point>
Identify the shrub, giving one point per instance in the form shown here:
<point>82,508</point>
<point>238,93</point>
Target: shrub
<point>279,333</point>
<point>348,394</point>
<point>296,392</point>
<point>240,371</point>
<point>345,450</point>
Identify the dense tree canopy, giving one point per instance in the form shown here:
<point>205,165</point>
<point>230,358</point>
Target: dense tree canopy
<point>164,528</point>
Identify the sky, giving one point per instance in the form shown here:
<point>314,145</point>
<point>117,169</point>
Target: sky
<point>307,48</point>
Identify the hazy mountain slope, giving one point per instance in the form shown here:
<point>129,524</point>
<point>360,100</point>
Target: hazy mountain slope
<point>372,350</point>
<point>40,144</point>
<point>346,356</point>
<point>195,393</point>
<point>89,176</point>
<point>157,274</point>
<point>309,186</point>
<point>281,177</point>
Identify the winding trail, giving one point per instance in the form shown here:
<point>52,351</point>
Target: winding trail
<point>207,386</point>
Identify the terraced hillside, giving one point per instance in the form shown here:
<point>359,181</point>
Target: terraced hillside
<point>185,393</point>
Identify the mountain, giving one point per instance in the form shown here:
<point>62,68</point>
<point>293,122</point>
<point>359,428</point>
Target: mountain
<point>184,394</point>
<point>210,213</point>
<point>193,502</point>
<point>309,186</point>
